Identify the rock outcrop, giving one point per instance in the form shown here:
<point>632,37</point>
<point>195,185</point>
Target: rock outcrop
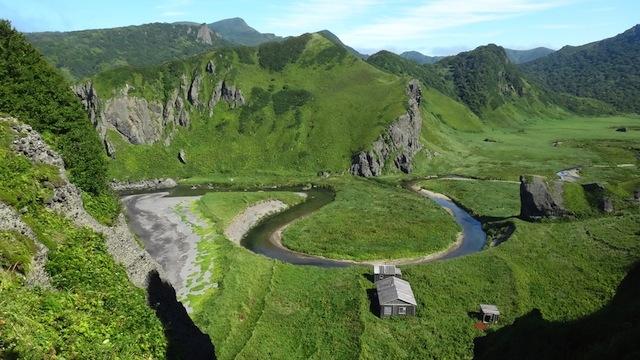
<point>205,35</point>
<point>135,118</point>
<point>182,156</point>
<point>67,201</point>
<point>149,184</point>
<point>541,199</point>
<point>400,142</point>
<point>194,90</point>
<point>10,220</point>
<point>211,67</point>
<point>142,121</point>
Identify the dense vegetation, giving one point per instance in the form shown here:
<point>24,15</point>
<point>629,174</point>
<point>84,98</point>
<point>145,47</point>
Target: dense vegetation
<point>91,310</point>
<point>420,58</point>
<point>87,52</point>
<point>275,56</point>
<point>606,70</point>
<point>524,56</point>
<point>311,116</point>
<point>31,90</point>
<point>237,31</point>
<point>483,78</point>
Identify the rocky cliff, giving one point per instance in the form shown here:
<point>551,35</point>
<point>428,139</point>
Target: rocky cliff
<point>144,121</point>
<point>67,201</point>
<point>541,199</point>
<point>400,142</point>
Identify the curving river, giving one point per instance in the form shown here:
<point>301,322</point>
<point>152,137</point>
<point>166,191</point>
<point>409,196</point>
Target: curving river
<point>264,238</point>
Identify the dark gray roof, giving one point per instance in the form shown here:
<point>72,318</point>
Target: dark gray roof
<point>392,289</point>
<point>386,270</point>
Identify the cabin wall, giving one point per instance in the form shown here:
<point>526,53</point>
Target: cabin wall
<point>410,310</point>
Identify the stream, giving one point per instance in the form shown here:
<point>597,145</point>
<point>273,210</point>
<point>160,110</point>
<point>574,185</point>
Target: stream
<point>262,239</point>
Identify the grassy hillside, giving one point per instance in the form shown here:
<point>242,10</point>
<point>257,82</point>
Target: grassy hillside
<point>237,31</point>
<point>310,106</point>
<point>91,310</point>
<point>606,70</point>
<point>33,91</point>
<point>524,56</point>
<point>83,53</point>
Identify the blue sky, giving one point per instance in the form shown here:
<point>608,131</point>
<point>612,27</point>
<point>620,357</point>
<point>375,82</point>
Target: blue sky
<point>434,27</point>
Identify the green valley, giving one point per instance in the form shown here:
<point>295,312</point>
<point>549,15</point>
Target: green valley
<point>186,190</point>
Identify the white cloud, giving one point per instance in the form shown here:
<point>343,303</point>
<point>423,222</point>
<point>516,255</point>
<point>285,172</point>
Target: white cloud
<point>316,15</point>
<point>422,21</point>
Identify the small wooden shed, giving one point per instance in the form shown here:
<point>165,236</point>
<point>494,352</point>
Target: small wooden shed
<point>384,271</point>
<point>395,297</point>
<point>489,313</point>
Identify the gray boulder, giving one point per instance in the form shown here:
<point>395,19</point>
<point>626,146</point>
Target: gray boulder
<point>400,142</point>
<point>606,205</point>
<point>182,156</point>
<point>541,199</point>
<point>111,150</point>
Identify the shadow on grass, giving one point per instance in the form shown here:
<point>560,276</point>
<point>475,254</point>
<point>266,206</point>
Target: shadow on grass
<point>184,339</point>
<point>612,332</point>
<point>372,294</point>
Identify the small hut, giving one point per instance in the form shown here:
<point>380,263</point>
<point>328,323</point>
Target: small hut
<point>489,313</point>
<point>381,272</point>
<point>395,297</point>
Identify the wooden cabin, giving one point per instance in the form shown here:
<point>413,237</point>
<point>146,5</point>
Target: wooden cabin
<point>489,313</point>
<point>384,271</point>
<point>395,297</point>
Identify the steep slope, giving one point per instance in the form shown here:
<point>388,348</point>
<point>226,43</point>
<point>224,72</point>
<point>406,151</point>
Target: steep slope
<point>87,52</point>
<point>606,70</point>
<point>524,56</point>
<point>420,58</point>
<point>236,30</point>
<point>32,90</point>
<point>336,40</point>
<point>301,105</point>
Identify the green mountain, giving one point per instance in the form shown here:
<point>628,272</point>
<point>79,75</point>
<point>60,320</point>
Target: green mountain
<point>606,70</point>
<point>237,31</point>
<point>420,58</point>
<point>301,105</point>
<point>525,56</point>
<point>336,40</point>
<point>87,52</point>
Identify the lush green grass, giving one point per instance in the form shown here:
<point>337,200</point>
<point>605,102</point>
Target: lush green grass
<point>16,251</point>
<point>482,198</point>
<point>357,224</point>
<point>590,143</point>
<point>310,116</point>
<point>92,310</point>
<point>221,207</point>
<point>566,269</point>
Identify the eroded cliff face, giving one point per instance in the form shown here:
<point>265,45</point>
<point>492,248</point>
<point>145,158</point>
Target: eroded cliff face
<point>399,143</point>
<point>143,121</point>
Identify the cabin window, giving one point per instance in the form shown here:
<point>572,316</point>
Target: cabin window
<point>387,310</point>
<point>402,310</point>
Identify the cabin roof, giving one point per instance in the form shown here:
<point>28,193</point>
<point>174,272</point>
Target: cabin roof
<point>489,309</point>
<point>386,270</point>
<point>392,289</point>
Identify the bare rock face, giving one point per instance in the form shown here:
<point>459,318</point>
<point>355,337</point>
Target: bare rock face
<point>541,199</point>
<point>91,103</point>
<point>205,35</point>
<point>174,111</point>
<point>136,119</point>
<point>229,93</point>
<point>194,90</point>
<point>182,156</point>
<point>399,143</point>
